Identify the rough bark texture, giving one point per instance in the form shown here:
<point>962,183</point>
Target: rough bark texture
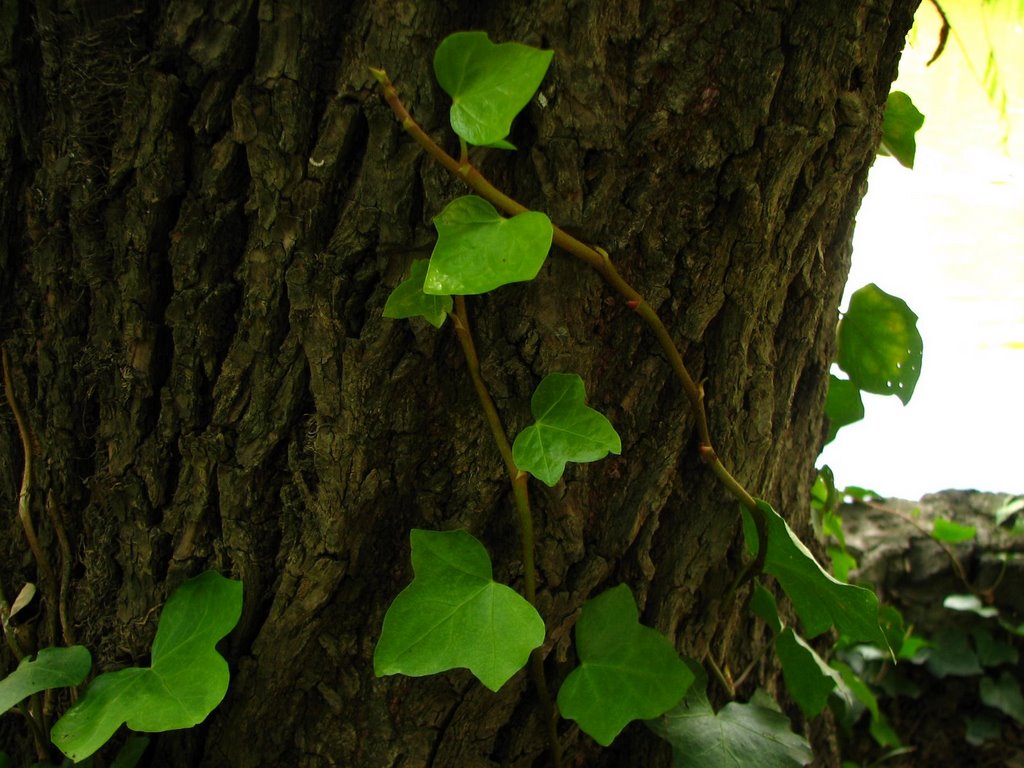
<point>204,207</point>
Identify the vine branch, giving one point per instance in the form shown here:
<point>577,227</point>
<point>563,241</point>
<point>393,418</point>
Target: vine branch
<point>597,258</point>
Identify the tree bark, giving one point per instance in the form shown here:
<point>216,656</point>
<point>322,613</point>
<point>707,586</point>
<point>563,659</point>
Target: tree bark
<point>204,208</point>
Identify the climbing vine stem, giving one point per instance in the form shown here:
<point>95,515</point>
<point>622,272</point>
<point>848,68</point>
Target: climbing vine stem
<point>520,492</point>
<point>599,259</point>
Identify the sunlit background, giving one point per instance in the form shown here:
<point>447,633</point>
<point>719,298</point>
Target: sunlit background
<point>948,238</point>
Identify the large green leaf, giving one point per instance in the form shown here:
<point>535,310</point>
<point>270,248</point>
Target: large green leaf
<point>409,300</point>
<point>489,84</point>
<point>901,122</point>
<point>454,614</point>
<point>187,678</point>
<point>51,668</point>
<point>880,347</point>
<point>627,671</point>
<point>843,405</point>
<point>820,601</point>
<point>752,735</point>
<point>565,429</point>
<point>478,250</point>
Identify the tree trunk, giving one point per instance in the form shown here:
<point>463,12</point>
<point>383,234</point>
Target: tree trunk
<point>204,208</point>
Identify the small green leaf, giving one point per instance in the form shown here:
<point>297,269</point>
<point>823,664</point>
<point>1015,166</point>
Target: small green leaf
<point>627,671</point>
<point>1003,694</point>
<point>51,668</point>
<point>409,300</point>
<point>478,250</point>
<point>950,532</point>
<point>454,614</point>
<point>842,562</point>
<point>951,654</point>
<point>880,347</point>
<point>489,84</point>
<point>992,652</point>
<point>982,728</point>
<point>749,735</point>
<point>566,429</point>
<point>820,601</point>
<point>1012,507</point>
<point>763,604</point>
<point>809,679</point>
<point>185,681</point>
<point>901,121</point>
<point>843,405</point>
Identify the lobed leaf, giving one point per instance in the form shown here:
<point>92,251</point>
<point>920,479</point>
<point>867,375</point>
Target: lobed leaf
<point>454,614</point>
<point>565,429</point>
<point>489,84</point>
<point>186,680</point>
<point>880,347</point>
<point>901,122</point>
<point>478,250</point>
<point>752,735</point>
<point>409,300</point>
<point>627,671</point>
<point>51,668</point>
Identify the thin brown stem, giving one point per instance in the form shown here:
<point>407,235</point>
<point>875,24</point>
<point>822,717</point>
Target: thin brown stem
<point>520,492</point>
<point>599,260</point>
<point>25,494</point>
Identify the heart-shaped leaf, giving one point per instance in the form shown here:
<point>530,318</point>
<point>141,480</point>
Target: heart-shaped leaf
<point>187,678</point>
<point>820,601</point>
<point>409,300</point>
<point>51,668</point>
<point>489,84</point>
<point>566,429</point>
<point>454,614</point>
<point>880,347</point>
<point>901,122</point>
<point>627,671</point>
<point>843,405</point>
<point>752,735</point>
<point>478,250</point>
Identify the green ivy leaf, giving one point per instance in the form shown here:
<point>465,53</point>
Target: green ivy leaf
<point>809,679</point>
<point>901,122</point>
<point>627,671</point>
<point>763,604</point>
<point>409,300</point>
<point>950,532</point>
<point>982,728</point>
<point>880,347</point>
<point>454,614</point>
<point>565,429</point>
<point>843,405</point>
<point>1003,694</point>
<point>51,668</point>
<point>820,601</point>
<point>478,250</point>
<point>992,652</point>
<point>753,735</point>
<point>951,654</point>
<point>489,84</point>
<point>185,681</point>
